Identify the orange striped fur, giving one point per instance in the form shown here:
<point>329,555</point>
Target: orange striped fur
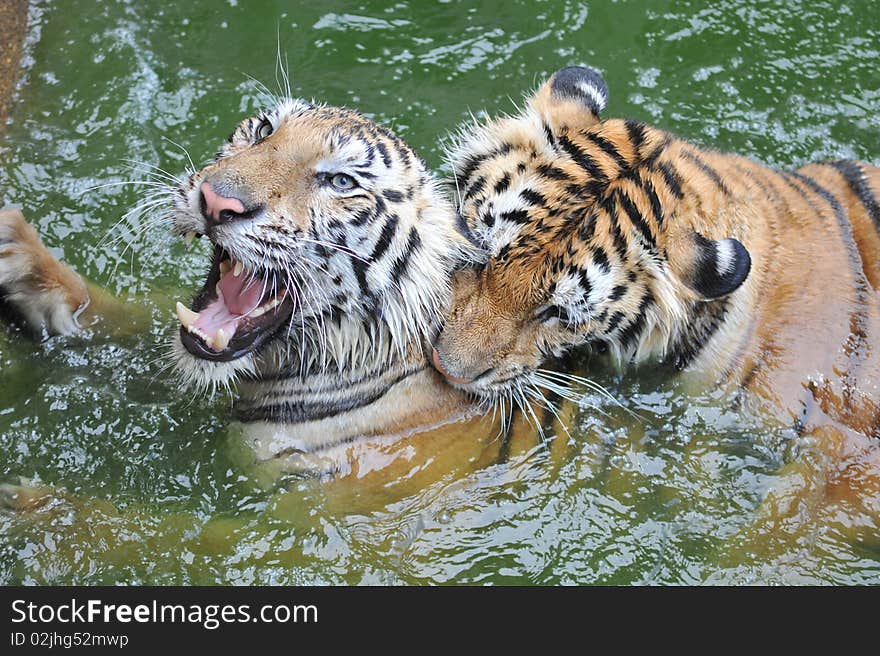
<point>620,236</point>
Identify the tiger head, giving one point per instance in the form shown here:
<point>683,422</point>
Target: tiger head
<point>565,212</point>
<point>321,222</point>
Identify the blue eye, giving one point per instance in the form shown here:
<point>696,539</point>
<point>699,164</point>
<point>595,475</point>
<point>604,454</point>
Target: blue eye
<point>343,182</point>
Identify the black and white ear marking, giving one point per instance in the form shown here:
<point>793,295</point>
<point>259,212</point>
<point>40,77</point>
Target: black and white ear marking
<point>583,84</point>
<point>720,267</point>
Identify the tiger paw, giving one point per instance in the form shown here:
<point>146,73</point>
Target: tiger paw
<point>45,292</point>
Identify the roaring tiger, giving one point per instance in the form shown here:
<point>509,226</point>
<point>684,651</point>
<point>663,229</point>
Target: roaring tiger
<point>622,237</point>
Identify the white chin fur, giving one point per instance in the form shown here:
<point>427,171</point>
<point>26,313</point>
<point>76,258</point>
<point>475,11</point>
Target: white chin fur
<point>207,376</point>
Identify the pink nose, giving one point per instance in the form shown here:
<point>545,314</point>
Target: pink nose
<point>435,358</point>
<point>214,205</point>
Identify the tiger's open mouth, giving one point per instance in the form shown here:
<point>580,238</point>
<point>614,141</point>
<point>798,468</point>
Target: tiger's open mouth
<point>236,311</point>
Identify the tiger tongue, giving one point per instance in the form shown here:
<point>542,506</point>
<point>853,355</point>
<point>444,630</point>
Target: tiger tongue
<point>241,294</point>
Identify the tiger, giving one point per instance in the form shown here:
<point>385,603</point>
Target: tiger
<point>331,248</point>
<point>613,236</point>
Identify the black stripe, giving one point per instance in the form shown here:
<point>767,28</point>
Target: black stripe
<point>654,200</point>
<point>533,197</point>
<point>550,171</point>
<point>381,206</point>
<point>548,133</point>
<point>475,160</point>
<point>386,157</point>
<point>554,312</point>
<point>672,178</point>
<point>636,133</point>
<point>401,150</point>
<point>385,238</point>
<point>840,214</point>
<point>636,217</point>
<point>393,195</point>
<point>292,412</point>
<point>617,293</point>
<point>582,159</point>
<point>651,160</point>
<point>610,206</point>
<point>600,259</point>
<point>711,173</point>
<point>586,229</point>
<point>475,188</point>
<point>515,216</point>
<point>470,166</point>
<point>371,151</point>
<point>402,262</point>
<point>613,322</point>
<point>855,178</point>
<point>359,267</point>
<point>584,280</point>
<point>608,148</point>
<point>502,185</point>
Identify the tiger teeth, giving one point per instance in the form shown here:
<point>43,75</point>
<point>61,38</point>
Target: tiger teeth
<point>221,340</point>
<point>187,317</point>
<point>189,238</point>
<point>236,271</point>
<point>200,333</point>
<point>225,266</point>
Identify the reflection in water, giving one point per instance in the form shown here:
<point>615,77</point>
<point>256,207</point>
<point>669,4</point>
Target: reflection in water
<point>692,491</point>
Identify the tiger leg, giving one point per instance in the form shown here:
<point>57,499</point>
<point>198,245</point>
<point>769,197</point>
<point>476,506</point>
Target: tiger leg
<point>47,295</point>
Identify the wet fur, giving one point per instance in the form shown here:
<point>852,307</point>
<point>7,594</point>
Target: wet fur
<point>618,236</point>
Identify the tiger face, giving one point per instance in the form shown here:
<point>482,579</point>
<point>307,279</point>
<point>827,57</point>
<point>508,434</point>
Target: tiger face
<point>319,219</point>
<point>566,213</point>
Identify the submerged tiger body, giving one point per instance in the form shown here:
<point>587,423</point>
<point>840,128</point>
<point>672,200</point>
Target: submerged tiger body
<point>622,237</point>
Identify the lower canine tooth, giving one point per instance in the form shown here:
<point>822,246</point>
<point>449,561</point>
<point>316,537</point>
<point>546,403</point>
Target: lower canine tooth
<point>189,238</point>
<point>221,339</point>
<point>187,317</point>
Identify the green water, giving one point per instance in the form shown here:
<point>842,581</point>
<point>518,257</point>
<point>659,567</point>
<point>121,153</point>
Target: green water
<point>675,497</point>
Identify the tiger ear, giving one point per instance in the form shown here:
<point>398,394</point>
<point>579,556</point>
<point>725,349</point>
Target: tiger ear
<point>572,98</point>
<point>712,269</point>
